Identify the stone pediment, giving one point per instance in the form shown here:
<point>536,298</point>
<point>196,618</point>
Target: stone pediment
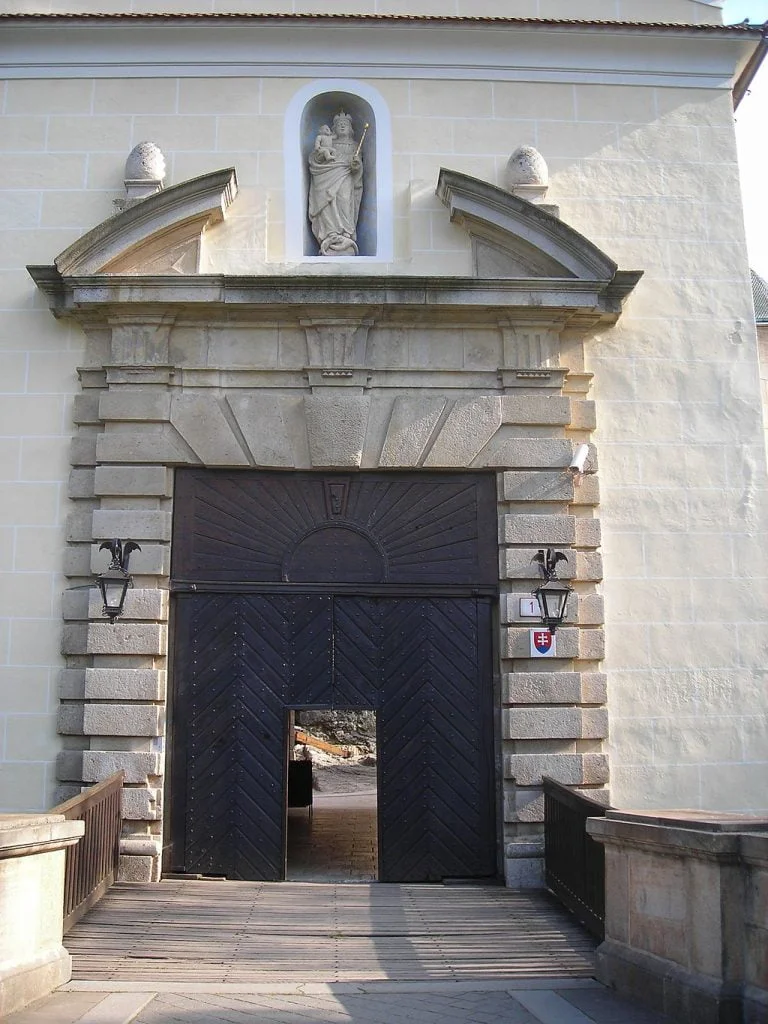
<point>525,259</point>
<point>512,238</point>
<point>159,235</point>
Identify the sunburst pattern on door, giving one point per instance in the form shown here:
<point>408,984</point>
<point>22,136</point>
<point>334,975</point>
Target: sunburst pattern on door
<point>389,528</point>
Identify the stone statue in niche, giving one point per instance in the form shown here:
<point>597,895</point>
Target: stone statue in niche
<point>336,186</point>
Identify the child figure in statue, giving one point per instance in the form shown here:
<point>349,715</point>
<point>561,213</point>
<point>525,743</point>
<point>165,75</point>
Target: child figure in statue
<point>336,187</point>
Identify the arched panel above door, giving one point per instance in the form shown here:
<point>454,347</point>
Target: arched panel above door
<point>400,528</point>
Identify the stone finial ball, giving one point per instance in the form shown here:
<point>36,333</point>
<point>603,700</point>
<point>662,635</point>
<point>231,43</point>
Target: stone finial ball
<point>526,166</point>
<point>145,163</point>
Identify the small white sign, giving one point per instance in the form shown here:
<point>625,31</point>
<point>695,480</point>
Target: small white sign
<point>543,644</point>
<point>529,608</point>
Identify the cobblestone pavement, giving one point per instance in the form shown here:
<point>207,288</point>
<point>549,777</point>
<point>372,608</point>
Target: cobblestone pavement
<point>584,1002</point>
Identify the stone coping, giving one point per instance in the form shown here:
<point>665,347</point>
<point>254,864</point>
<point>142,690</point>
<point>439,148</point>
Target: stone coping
<point>699,821</point>
<point>22,835</point>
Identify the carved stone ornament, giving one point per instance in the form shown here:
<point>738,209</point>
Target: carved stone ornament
<point>336,186</point>
<point>144,174</point>
<point>527,174</point>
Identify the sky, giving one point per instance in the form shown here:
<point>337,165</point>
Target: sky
<point>752,139</point>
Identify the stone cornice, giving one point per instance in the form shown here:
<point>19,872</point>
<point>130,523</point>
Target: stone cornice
<point>566,301</point>
<point>705,56</point>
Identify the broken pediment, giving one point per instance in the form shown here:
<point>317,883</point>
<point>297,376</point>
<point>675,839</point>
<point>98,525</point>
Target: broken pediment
<point>158,235</point>
<point>512,238</point>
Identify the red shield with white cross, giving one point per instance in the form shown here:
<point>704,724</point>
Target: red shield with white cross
<point>542,640</point>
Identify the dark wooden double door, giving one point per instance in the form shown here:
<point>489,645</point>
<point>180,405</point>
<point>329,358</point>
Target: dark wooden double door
<point>423,663</point>
<point>301,590</point>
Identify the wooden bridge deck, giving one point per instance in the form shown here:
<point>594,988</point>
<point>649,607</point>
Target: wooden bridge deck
<point>218,932</point>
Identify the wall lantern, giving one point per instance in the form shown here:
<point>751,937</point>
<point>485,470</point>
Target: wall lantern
<point>553,593</point>
<point>116,581</point>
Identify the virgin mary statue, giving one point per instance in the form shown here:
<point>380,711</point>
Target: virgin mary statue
<point>335,188</point>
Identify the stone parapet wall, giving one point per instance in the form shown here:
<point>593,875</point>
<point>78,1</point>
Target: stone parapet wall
<point>685,924</point>
<point>33,962</point>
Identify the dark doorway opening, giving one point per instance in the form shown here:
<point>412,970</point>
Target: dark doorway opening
<point>332,823</point>
<point>373,593</point>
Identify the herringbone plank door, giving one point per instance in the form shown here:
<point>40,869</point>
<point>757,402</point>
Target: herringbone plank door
<point>436,815</point>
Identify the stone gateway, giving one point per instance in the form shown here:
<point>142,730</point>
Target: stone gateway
<point>341,384</point>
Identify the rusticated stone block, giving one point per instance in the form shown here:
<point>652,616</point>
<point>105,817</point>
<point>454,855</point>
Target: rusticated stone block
<point>583,416</point>
<point>568,769</point>
<point>152,560</point>
<point>554,688</point>
<point>150,405</point>
<point>543,410</point>
<point>85,408</point>
<point>510,609</point>
<point>524,805</point>
<point>82,450</point>
<point>200,420</point>
<point>467,429</point>
<point>538,485</point>
<point>74,638</point>
<point>138,869</point>
<point>588,533</point>
<point>587,492</point>
<point>589,566</point>
<point>517,563</point>
<point>122,720</point>
<point>132,480</point>
<point>591,610</point>
<point>120,684</point>
<point>141,804</point>
<point>139,604</point>
<point>554,723</point>
<point>70,720</point>
<point>72,684</point>
<point>69,766</point>
<point>524,865</point>
<point>81,483</point>
<point>74,605</point>
<point>516,643</point>
<point>126,638</point>
<point>77,560</point>
<point>141,846</point>
<point>410,428</point>
<point>591,644</point>
<point>79,526</point>
<point>594,688</point>
<point>336,424</point>
<point>544,530</point>
<point>271,425</point>
<point>134,523</point>
<point>97,765</point>
<point>529,453</point>
<point>159,447</point>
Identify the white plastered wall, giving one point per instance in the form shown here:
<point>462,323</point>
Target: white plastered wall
<point>649,174</point>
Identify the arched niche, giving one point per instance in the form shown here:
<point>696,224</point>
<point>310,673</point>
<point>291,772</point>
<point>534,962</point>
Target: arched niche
<point>316,105</point>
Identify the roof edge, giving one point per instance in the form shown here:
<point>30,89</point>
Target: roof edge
<point>431,19</point>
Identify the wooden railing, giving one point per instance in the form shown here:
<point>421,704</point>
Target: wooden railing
<point>574,863</point>
<point>91,865</point>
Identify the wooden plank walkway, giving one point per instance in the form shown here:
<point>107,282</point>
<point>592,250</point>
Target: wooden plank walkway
<point>220,932</point>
